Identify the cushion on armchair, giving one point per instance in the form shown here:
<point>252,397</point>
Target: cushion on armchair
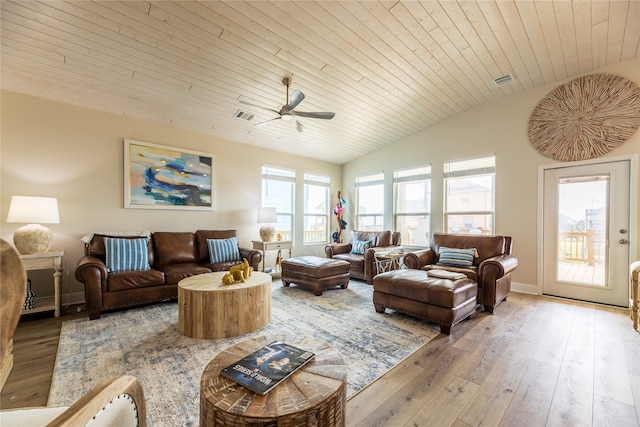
<point>455,257</point>
<point>360,246</point>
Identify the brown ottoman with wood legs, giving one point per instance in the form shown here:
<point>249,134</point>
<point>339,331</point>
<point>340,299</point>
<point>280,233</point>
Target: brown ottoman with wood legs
<point>315,273</point>
<point>412,292</point>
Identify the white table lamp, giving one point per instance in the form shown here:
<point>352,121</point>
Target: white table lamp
<point>33,238</point>
<point>266,216</point>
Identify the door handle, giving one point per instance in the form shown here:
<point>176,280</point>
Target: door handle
<point>623,241</point>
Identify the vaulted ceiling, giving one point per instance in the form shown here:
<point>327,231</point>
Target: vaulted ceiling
<point>388,69</point>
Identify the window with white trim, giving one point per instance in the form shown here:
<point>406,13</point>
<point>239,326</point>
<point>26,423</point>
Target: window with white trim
<point>278,191</point>
<point>412,204</point>
<point>316,208</point>
<point>370,202</point>
<point>469,201</point>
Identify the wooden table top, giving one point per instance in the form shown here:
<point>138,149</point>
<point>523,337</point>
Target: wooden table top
<point>320,382</point>
<point>211,282</point>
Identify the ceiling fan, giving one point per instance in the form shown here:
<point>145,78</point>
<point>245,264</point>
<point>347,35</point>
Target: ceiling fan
<point>287,112</point>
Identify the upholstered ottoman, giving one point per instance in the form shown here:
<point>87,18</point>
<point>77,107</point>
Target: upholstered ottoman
<point>412,292</point>
<point>315,273</point>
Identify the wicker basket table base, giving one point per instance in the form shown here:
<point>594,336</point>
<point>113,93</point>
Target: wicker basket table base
<point>315,395</point>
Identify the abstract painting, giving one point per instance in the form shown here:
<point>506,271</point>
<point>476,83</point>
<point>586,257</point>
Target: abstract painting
<point>160,177</point>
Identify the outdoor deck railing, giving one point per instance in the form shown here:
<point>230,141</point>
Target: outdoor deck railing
<point>582,246</point>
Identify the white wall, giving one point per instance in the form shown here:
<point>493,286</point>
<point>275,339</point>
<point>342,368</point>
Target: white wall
<point>500,128</point>
<point>75,154</point>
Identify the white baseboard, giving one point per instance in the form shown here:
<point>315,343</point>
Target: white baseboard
<point>525,288</point>
<point>72,298</point>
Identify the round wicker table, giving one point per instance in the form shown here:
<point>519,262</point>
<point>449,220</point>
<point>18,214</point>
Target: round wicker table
<point>314,395</point>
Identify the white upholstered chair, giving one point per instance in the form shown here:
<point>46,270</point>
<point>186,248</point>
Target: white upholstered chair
<point>117,402</point>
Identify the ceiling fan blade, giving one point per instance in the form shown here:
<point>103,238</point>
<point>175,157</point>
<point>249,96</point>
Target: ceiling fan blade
<point>296,98</point>
<point>299,126</point>
<point>317,115</point>
<point>266,121</point>
<point>259,106</point>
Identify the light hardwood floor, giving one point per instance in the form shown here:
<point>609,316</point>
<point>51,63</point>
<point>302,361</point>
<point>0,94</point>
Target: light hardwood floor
<point>538,361</point>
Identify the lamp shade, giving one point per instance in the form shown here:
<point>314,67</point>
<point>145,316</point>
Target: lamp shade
<point>33,238</point>
<point>267,215</point>
<point>33,210</point>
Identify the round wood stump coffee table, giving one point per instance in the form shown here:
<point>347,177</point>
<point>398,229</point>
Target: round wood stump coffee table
<point>314,395</point>
<point>209,309</point>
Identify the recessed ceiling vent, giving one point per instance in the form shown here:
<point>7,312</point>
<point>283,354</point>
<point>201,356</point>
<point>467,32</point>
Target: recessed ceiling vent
<point>243,115</point>
<point>504,80</point>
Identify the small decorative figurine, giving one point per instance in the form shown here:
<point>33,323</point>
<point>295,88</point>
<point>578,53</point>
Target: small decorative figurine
<point>241,272</point>
<point>227,279</point>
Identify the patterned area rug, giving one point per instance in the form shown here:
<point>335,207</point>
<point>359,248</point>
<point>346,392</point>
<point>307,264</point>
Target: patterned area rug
<point>145,342</point>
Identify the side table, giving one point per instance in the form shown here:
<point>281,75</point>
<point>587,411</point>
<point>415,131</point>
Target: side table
<point>272,246</point>
<point>48,260</point>
<point>314,395</point>
<point>387,261</point>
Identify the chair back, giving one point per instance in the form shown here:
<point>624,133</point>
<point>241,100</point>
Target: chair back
<point>13,287</point>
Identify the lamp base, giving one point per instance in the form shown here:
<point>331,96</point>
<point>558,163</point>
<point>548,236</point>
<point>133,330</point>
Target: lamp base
<point>32,239</point>
<point>267,232</point>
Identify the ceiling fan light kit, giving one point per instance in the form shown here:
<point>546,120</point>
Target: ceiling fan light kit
<point>288,112</point>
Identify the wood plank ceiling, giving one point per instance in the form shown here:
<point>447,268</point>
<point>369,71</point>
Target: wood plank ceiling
<point>388,69</point>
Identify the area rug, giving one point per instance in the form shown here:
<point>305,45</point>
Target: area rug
<point>145,342</point>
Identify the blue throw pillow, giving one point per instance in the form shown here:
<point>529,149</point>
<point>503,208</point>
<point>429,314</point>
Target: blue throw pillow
<point>456,257</point>
<point>360,246</point>
<point>223,250</point>
<point>126,254</point>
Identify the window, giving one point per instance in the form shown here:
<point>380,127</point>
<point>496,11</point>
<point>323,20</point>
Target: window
<point>469,202</point>
<point>370,202</point>
<point>412,204</point>
<point>316,208</point>
<point>278,191</point>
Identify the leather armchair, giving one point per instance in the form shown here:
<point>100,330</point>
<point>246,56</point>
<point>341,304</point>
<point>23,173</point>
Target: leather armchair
<point>491,267</point>
<point>362,266</point>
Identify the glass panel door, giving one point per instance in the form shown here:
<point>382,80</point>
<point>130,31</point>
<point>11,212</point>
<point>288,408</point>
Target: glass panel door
<point>585,238</point>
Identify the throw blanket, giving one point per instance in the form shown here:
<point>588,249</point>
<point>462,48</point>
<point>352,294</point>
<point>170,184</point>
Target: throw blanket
<point>87,237</point>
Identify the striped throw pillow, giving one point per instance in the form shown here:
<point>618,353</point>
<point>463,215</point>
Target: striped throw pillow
<point>456,257</point>
<point>360,246</point>
<point>126,254</point>
<point>223,250</point>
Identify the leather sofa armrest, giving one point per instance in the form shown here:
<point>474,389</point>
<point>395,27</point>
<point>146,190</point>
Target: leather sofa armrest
<point>88,263</point>
<point>418,259</point>
<point>500,265</point>
<point>253,256</point>
<point>337,248</point>
<point>93,273</point>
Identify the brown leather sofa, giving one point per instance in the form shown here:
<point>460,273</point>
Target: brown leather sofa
<point>491,267</point>
<point>363,265</point>
<point>172,257</point>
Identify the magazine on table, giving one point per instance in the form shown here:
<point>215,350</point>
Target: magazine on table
<point>265,368</point>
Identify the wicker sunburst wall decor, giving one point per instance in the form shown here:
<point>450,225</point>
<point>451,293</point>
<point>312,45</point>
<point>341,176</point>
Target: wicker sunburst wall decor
<point>586,117</point>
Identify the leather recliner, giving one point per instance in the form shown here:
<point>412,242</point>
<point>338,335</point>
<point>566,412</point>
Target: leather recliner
<point>491,267</point>
<point>363,265</point>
